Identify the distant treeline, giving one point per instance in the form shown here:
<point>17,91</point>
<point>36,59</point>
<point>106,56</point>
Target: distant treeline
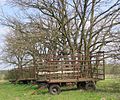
<point>112,69</point>
<point>3,74</point>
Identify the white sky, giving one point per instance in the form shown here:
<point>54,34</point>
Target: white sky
<point>2,2</point>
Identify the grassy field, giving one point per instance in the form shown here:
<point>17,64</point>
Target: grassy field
<point>106,90</point>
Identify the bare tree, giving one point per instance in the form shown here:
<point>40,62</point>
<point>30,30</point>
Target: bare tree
<point>63,26</point>
<point>81,23</point>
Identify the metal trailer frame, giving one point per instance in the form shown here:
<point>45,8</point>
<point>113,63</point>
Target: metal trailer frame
<point>82,70</point>
<point>23,75</point>
<point>55,71</point>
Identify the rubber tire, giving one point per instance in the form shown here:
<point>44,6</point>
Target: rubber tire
<point>90,86</point>
<point>54,89</point>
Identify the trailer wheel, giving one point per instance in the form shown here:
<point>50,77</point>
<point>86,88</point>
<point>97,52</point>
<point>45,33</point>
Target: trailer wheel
<point>54,89</point>
<point>90,86</point>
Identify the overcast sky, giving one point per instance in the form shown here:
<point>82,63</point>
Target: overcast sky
<point>6,9</point>
<point>3,29</point>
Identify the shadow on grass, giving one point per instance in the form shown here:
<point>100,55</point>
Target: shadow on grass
<point>46,91</point>
<point>69,89</point>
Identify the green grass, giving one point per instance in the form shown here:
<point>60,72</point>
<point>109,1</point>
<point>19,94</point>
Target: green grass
<point>106,90</point>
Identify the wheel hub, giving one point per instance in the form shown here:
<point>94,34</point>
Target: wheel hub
<point>54,90</point>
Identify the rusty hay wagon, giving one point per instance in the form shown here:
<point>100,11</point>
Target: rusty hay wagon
<point>57,71</point>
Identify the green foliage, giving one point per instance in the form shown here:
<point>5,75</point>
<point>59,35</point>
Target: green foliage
<point>3,74</point>
<point>112,70</point>
<point>106,90</point>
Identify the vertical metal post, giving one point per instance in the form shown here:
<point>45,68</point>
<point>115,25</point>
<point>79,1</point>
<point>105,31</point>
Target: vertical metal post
<point>97,55</point>
<point>103,65</point>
